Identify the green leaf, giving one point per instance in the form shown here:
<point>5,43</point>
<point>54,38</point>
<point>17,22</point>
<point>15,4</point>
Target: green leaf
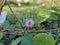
<point>27,40</point>
<point>57,14</point>
<point>44,19</point>
<point>52,11</point>
<point>1,35</point>
<point>1,43</point>
<point>41,14</point>
<point>15,42</point>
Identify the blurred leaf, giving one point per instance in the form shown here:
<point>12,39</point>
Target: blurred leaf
<point>58,38</point>
<point>57,14</point>
<point>44,19</point>
<point>41,14</point>
<point>1,35</point>
<point>15,42</point>
<point>27,40</point>
<point>1,43</point>
<point>51,11</point>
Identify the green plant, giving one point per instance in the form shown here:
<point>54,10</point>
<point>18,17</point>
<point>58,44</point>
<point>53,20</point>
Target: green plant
<point>58,38</point>
<point>24,13</point>
<point>43,39</point>
<point>38,14</point>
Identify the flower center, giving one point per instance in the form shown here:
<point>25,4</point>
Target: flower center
<point>29,23</point>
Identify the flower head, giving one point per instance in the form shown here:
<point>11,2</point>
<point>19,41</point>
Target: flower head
<point>29,23</point>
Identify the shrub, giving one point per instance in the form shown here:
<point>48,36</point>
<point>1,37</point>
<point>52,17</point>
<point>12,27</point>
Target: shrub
<point>43,39</point>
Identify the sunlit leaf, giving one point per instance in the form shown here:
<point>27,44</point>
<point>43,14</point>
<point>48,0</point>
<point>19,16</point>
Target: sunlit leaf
<point>44,19</point>
<point>51,11</point>
<point>41,14</point>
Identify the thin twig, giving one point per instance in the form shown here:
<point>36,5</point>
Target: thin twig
<point>19,32</point>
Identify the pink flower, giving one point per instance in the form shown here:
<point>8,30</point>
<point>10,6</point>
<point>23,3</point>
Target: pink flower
<point>29,22</point>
